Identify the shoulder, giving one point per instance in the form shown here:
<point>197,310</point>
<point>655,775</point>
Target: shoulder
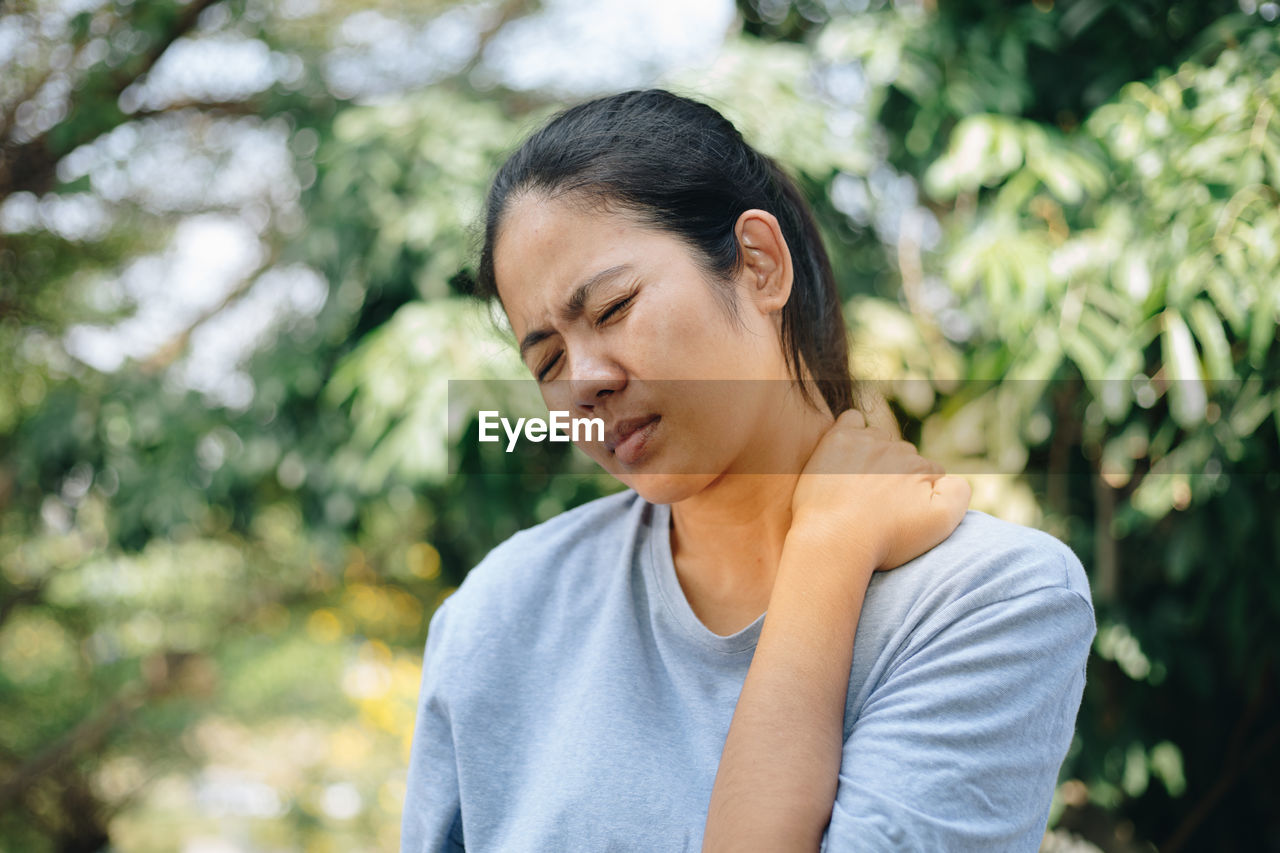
<point>965,704</point>
<point>993,558</point>
<point>986,563</point>
<point>543,567</point>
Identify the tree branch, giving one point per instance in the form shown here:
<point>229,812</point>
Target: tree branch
<point>169,352</point>
<point>242,108</point>
<point>22,595</point>
<point>184,24</point>
<point>33,89</point>
<point>1236,765</point>
<point>31,165</point>
<point>164,673</point>
<point>86,736</point>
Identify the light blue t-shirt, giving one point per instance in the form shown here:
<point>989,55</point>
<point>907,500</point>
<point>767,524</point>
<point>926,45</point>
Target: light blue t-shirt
<point>572,701</point>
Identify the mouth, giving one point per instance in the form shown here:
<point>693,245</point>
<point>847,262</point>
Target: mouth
<point>627,439</point>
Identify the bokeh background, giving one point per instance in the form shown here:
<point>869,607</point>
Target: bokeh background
<point>235,238</point>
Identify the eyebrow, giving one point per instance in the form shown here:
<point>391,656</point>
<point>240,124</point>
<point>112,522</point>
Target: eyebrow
<point>574,306</point>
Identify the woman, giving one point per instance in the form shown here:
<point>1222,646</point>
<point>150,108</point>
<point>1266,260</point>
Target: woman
<point>607,680</point>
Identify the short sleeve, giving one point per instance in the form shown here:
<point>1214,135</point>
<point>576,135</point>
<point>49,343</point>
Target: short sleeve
<point>959,747</point>
<point>432,819</point>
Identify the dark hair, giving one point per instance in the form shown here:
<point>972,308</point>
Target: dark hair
<point>681,167</point>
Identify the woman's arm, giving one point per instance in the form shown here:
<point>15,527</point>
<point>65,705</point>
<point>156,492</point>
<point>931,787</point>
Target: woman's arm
<point>432,807</point>
<point>863,502</point>
<point>777,778</point>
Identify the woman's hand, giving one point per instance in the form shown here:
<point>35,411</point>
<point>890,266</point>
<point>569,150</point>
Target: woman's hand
<point>864,488</point>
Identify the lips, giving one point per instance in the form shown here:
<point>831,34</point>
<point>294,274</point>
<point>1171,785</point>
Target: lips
<point>627,438</point>
<point>622,430</point>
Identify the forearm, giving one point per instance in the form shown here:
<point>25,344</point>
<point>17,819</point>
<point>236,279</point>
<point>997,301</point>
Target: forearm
<point>778,772</point>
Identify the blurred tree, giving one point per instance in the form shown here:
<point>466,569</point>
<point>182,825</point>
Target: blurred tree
<point>179,558</point>
<point>1107,273</point>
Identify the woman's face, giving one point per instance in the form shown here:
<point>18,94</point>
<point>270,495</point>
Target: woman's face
<point>614,318</point>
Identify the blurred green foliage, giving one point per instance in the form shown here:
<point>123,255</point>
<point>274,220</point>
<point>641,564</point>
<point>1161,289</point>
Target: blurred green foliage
<point>1056,226</point>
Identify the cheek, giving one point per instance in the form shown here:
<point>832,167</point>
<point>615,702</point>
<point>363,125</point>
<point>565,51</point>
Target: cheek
<point>707,425</point>
<point>557,395</point>
<point>687,338</point>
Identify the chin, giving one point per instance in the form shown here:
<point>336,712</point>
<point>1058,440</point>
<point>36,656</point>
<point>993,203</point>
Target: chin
<point>666,474</point>
<point>667,488</point>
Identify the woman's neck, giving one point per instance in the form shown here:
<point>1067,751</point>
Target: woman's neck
<point>727,540</point>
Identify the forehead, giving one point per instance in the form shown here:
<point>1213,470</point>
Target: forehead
<point>547,246</point>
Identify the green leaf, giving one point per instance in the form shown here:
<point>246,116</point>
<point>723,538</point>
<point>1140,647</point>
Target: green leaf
<point>1224,295</point>
<point>1187,398</point>
<point>1213,341</point>
<point>1262,325</point>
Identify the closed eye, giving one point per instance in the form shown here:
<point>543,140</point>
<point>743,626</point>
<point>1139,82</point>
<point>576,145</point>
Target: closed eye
<point>542,374</point>
<point>614,309</point>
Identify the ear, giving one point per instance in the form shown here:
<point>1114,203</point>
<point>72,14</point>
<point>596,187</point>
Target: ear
<point>766,260</point>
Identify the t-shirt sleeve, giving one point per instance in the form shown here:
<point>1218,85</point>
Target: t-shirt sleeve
<point>959,747</point>
<point>432,819</point>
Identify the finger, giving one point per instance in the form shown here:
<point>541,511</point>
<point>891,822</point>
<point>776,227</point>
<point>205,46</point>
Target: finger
<point>928,470</point>
<point>948,501</point>
<point>853,418</point>
<point>913,463</point>
<point>931,521</point>
<point>881,434</point>
<point>951,496</point>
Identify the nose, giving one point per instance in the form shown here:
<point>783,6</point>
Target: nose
<point>593,380</point>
